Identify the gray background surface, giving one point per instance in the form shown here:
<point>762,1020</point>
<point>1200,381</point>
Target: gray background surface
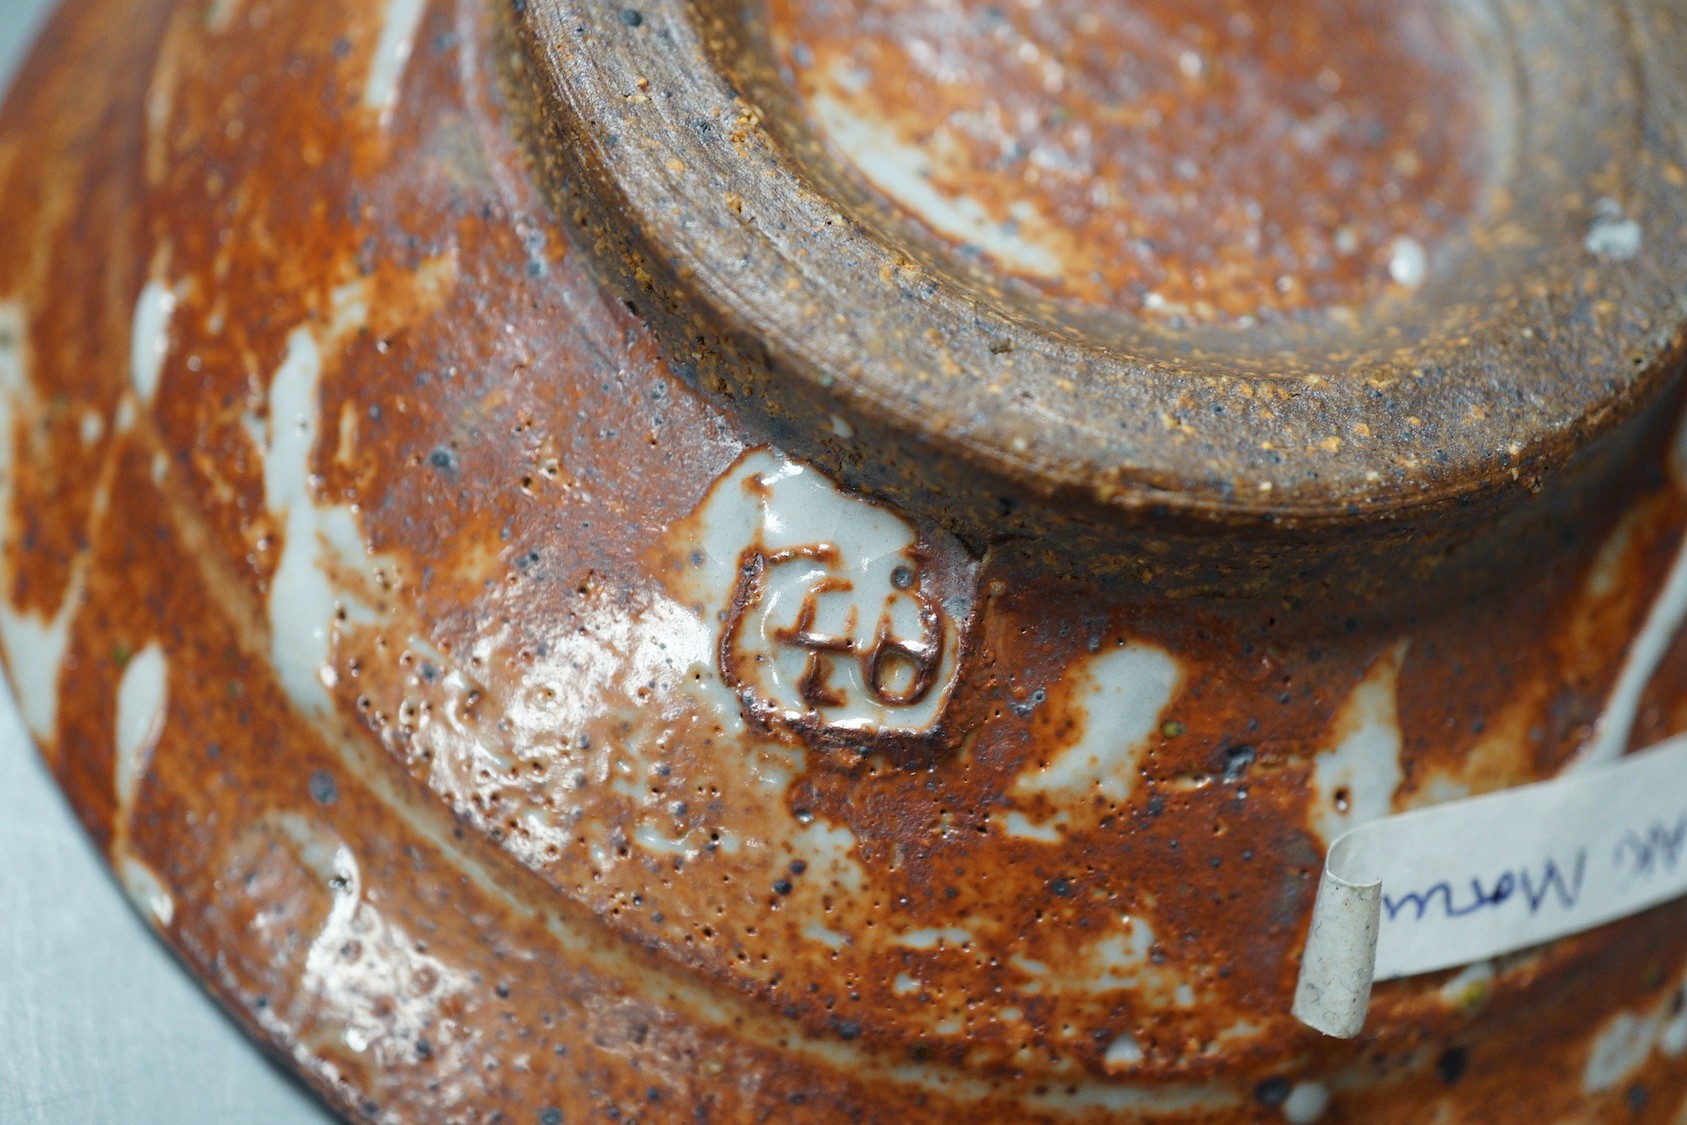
<point>98,1023</point>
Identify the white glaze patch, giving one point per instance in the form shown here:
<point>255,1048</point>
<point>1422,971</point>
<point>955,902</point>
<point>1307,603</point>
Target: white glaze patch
<point>1470,988</point>
<point>1306,1103</point>
<point>1408,264</point>
<point>1621,1048</point>
<point>1647,650</point>
<point>35,646</point>
<point>629,646</point>
<point>903,172</point>
<point>1134,1101</point>
<point>141,700</point>
<point>1124,1051</point>
<point>826,936</point>
<point>1612,234</point>
<point>17,398</point>
<point>847,562</point>
<point>1238,1035</point>
<point>1122,961</point>
<point>1627,1040</point>
<point>145,890</point>
<point>370,975</point>
<point>1356,780</point>
<point>35,649</point>
<point>830,852</point>
<point>651,838</point>
<point>951,936</point>
<point>323,548</point>
<point>301,602</point>
<point>1609,565</point>
<point>92,427</point>
<point>1672,1037</point>
<point>392,54</point>
<point>1122,697</point>
<point>1022,827</point>
<point>149,338</point>
<point>220,15</point>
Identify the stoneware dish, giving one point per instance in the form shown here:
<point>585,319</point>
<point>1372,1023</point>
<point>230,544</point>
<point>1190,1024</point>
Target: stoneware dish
<point>686,561</point>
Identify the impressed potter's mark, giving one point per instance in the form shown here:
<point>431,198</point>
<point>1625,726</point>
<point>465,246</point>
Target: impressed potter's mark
<point>892,672</point>
<point>839,622</point>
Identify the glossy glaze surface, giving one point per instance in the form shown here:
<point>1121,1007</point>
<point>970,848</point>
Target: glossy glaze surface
<point>500,726</point>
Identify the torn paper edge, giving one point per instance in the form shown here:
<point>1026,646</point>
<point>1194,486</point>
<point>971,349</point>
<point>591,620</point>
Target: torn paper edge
<point>1626,823</point>
<point>1338,965</point>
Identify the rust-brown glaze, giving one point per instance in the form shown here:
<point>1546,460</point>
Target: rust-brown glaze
<point>366,571</point>
<point>1216,160</point>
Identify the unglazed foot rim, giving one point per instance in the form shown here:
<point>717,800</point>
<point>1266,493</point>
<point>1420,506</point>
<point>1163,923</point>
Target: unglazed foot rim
<point>711,196</point>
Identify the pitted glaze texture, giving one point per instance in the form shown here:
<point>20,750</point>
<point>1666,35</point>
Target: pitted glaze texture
<point>507,722</point>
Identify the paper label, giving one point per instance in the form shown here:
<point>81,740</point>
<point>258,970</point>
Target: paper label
<point>1455,883</point>
<point>1461,882</point>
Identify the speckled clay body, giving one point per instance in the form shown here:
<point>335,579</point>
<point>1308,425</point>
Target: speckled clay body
<point>531,672</point>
